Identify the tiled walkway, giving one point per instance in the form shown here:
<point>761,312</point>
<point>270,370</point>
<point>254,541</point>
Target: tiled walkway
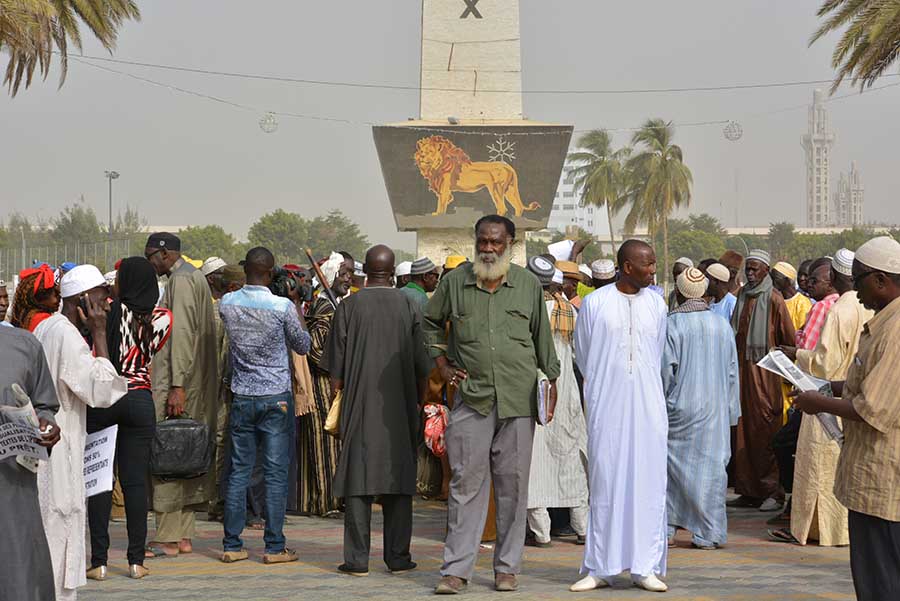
<point>750,568</point>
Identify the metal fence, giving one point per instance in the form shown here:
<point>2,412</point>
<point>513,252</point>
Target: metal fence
<point>102,254</point>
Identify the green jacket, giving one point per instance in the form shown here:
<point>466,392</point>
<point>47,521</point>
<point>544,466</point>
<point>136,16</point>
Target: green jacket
<point>500,339</point>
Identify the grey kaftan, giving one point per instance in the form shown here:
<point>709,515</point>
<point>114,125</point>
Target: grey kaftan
<point>26,571</point>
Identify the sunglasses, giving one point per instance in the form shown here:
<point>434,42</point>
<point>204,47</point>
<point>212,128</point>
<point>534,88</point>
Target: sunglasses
<point>155,252</point>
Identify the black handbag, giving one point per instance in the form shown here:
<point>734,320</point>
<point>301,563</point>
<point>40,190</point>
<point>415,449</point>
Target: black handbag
<point>181,450</point>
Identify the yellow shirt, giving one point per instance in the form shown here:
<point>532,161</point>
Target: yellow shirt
<point>798,306</point>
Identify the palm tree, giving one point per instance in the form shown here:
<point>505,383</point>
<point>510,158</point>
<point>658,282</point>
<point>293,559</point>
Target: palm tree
<point>661,181</point>
<point>32,30</point>
<point>600,175</point>
<point>871,42</point>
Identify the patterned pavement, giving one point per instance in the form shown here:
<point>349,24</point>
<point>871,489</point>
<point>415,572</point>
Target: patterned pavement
<point>749,568</point>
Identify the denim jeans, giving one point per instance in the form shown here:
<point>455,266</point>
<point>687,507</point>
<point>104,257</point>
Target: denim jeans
<point>265,422</point>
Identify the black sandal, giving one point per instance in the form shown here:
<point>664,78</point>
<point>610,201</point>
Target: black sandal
<point>783,535</point>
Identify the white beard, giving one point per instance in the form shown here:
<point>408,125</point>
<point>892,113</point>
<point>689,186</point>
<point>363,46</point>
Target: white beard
<point>491,272</point>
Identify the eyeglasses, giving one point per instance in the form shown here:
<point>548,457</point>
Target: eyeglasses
<point>155,252</point>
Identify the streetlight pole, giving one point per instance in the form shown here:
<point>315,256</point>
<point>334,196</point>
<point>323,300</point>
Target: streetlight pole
<point>110,175</point>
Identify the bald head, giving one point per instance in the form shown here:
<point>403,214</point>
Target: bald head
<point>631,250</point>
<point>379,264</point>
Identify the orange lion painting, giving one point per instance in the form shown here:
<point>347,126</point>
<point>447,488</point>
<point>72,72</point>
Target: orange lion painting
<point>448,169</point>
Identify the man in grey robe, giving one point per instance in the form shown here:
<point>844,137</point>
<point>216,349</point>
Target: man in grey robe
<point>185,381</point>
<point>376,357</point>
<point>26,571</point>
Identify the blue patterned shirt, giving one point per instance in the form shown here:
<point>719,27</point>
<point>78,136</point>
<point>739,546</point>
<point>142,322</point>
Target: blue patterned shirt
<point>261,327</point>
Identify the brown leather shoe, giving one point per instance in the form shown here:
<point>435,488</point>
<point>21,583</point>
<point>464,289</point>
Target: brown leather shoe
<point>505,583</point>
<point>450,585</point>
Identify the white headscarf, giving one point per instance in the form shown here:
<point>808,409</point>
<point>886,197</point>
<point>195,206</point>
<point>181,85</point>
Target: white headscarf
<point>331,267</point>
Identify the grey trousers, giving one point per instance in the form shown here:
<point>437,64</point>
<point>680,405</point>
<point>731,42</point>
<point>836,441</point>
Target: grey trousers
<point>481,449</point>
<point>397,511</point>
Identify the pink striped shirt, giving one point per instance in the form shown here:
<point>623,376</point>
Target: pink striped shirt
<point>808,335</point>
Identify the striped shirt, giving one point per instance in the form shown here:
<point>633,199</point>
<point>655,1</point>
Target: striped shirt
<point>868,473</point>
<point>808,335</point>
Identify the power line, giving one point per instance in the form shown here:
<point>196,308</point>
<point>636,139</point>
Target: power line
<point>416,88</point>
<point>431,129</point>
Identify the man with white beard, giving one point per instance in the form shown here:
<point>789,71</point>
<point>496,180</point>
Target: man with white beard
<point>499,337</point>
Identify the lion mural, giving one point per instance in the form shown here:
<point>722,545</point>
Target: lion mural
<point>448,169</point>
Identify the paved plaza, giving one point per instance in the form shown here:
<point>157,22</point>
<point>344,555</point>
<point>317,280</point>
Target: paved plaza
<point>749,568</point>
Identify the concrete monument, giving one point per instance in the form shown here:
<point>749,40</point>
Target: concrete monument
<point>471,152</point>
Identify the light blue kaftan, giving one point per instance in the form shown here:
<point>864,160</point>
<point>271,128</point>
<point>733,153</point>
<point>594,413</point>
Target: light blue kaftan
<point>700,381</point>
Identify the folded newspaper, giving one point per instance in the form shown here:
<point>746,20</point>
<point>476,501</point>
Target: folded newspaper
<point>778,363</point>
<point>19,431</point>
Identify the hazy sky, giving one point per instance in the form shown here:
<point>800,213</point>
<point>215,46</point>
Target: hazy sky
<point>186,160</point>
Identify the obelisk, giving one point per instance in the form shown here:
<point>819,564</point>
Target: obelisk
<point>469,45</point>
<point>470,153</point>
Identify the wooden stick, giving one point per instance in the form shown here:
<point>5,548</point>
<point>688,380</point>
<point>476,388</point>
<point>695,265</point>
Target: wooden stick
<point>325,286</point>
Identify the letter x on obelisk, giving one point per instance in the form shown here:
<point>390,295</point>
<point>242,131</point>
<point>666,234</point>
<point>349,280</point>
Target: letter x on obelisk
<point>470,9</point>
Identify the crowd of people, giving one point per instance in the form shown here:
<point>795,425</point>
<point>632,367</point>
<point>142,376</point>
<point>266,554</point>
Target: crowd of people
<point>582,392</point>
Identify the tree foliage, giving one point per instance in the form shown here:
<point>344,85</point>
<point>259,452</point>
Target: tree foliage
<point>288,235</point>
<point>870,42</point>
<point>601,176</point>
<point>202,242</point>
<point>32,30</point>
<point>661,181</point>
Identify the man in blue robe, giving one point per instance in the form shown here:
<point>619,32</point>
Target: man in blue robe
<point>700,381</point>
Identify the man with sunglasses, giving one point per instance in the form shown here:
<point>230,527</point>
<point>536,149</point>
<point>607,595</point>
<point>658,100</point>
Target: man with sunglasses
<point>867,481</point>
<point>185,382</point>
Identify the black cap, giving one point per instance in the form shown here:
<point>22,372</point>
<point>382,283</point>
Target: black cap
<point>164,241</point>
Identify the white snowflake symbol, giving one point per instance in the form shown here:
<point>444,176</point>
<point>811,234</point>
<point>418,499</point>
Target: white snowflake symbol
<point>502,151</point>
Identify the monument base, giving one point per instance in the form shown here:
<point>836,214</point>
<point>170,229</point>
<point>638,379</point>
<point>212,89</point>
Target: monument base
<point>438,244</point>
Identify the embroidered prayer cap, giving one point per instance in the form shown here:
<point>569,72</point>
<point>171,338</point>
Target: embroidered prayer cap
<point>110,277</point>
<point>2,283</point>
<point>603,269</point>
<point>758,254</point>
<point>684,261</point>
<point>717,271</point>
<point>881,253</point>
<point>454,261</point>
<point>542,269</point>
<point>212,265</point>
<point>558,276</point>
<point>358,269</point>
<point>842,262</point>
<point>422,266</point>
<point>691,283</point>
<point>569,269</point>
<point>403,269</point>
<point>79,280</point>
<point>561,250</point>
<point>164,241</point>
<point>786,269</point>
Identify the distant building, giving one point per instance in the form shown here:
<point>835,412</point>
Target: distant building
<point>568,214</point>
<point>817,144</point>
<point>849,198</point>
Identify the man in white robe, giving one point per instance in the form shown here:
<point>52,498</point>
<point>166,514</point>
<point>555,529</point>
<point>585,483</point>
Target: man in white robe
<point>82,380</point>
<point>619,339</point>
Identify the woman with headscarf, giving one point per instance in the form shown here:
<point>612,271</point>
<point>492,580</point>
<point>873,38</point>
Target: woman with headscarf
<point>137,329</point>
